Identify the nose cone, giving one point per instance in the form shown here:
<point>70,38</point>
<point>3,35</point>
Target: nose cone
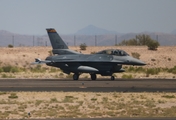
<point>128,60</point>
<point>135,61</point>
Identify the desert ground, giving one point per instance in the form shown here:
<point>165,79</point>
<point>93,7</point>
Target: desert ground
<point>163,57</point>
<point>18,105</point>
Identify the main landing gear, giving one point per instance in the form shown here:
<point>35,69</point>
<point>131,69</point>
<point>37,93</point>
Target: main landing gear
<point>93,76</point>
<point>76,76</point>
<point>112,78</point>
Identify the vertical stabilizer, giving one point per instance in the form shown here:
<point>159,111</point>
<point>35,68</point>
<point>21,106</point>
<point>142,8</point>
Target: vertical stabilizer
<point>56,40</point>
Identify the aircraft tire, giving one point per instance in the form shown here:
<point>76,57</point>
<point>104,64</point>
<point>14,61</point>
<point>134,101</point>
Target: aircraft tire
<point>75,76</point>
<point>93,76</point>
<point>112,78</point>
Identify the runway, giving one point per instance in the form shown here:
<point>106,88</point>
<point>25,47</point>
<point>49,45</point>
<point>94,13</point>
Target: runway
<point>86,85</point>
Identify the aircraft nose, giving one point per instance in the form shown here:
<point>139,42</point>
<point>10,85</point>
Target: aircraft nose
<point>135,61</point>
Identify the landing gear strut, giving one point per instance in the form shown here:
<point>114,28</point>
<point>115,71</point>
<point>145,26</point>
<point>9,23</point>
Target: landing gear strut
<point>76,76</point>
<point>112,78</point>
<point>93,76</point>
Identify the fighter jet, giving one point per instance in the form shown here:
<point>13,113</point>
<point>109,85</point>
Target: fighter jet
<point>105,62</point>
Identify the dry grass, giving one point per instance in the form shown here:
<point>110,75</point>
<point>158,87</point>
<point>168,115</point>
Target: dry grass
<point>86,104</point>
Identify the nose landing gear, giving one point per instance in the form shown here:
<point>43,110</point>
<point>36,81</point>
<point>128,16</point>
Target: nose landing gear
<point>93,76</point>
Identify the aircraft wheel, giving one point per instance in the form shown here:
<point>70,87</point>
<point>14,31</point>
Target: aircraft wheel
<point>93,76</point>
<point>75,76</point>
<point>112,78</point>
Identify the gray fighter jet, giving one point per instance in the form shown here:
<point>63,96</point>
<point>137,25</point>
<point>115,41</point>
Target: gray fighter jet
<point>105,62</point>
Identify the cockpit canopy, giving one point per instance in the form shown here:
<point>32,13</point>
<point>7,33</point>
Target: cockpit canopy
<point>113,52</point>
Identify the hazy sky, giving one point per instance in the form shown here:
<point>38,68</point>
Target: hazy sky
<point>68,16</point>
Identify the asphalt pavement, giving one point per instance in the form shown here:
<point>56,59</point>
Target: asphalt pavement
<point>103,85</point>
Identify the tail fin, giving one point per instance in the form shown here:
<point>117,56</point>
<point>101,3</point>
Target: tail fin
<point>56,40</point>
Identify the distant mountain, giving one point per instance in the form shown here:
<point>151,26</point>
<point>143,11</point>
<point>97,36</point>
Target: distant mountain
<point>95,36</point>
<point>4,32</point>
<point>173,32</point>
<point>93,30</point>
<point>14,39</point>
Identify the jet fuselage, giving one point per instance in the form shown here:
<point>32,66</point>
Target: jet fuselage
<point>92,63</point>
